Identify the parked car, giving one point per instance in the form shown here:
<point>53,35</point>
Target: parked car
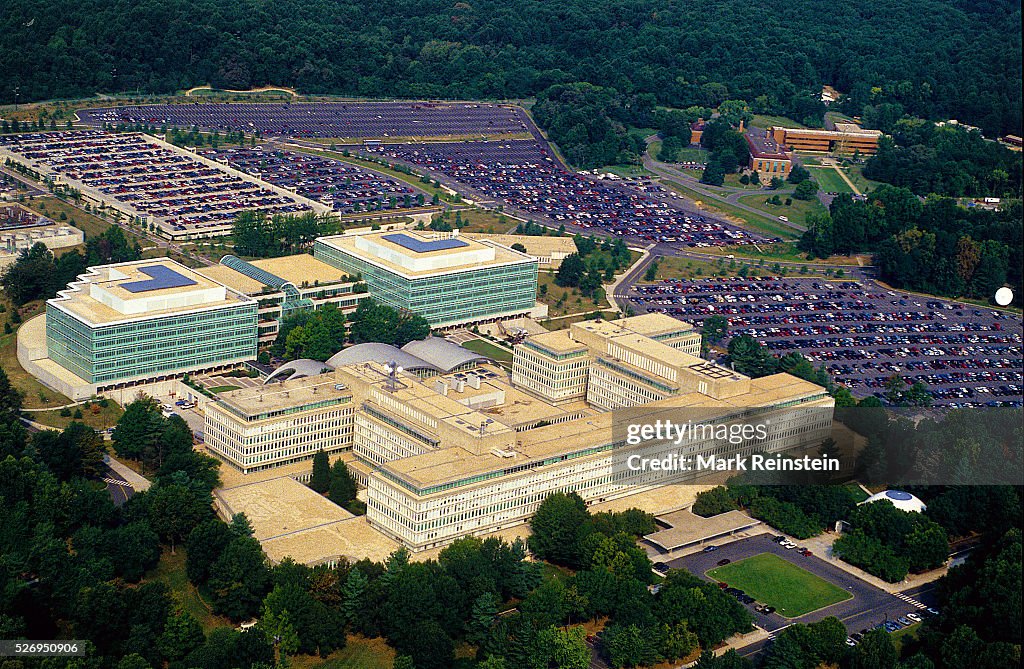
<point>661,567</point>
<point>902,620</point>
<point>915,617</point>
<point>850,642</point>
<point>723,562</point>
<point>806,553</point>
<point>709,549</point>
<point>768,610</point>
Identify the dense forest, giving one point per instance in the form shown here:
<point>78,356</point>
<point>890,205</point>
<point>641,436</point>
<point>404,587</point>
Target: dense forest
<point>936,58</point>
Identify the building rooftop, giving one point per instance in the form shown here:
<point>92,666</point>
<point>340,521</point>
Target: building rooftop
<point>142,289</point>
<point>652,325</point>
<point>557,341</point>
<point>376,248</point>
<point>261,402</point>
<point>687,528</point>
<point>279,506</point>
<point>531,447</point>
<point>536,245</point>
<point>301,270</point>
<point>762,145</point>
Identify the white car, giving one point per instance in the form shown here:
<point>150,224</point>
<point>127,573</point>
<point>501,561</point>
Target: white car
<point>913,616</point>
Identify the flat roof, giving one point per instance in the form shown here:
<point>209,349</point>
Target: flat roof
<point>688,528</point>
<point>232,279</point>
<point>301,268</point>
<point>557,341</point>
<point>347,244</point>
<point>543,245</point>
<point>353,539</point>
<point>275,396</point>
<point>117,279</point>
<point>280,506</point>
<point>533,446</point>
<point>424,245</point>
<point>654,324</point>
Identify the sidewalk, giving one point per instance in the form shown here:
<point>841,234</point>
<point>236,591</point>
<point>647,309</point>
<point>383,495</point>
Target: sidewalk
<point>821,546</point>
<point>736,642</point>
<point>139,482</point>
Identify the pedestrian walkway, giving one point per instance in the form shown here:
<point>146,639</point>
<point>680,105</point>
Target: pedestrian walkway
<point>909,600</point>
<point>135,480</point>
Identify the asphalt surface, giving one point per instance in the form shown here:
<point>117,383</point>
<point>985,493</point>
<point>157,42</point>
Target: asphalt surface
<point>861,331</point>
<point>868,606</point>
<point>119,489</point>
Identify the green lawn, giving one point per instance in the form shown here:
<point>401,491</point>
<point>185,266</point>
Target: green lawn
<point>829,180</point>
<point>358,653</point>
<point>490,350</point>
<point>222,389</point>
<point>795,212</point>
<point>772,580</point>
<point>764,120</point>
<point>625,171</point>
<point>755,222</point>
<point>858,494</point>
<point>171,572</point>
<point>856,174</point>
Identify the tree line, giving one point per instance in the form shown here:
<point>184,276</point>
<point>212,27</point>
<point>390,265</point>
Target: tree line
<point>933,246</point>
<point>38,273</point>
<point>882,52</point>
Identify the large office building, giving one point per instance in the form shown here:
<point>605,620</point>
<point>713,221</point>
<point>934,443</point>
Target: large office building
<point>473,452</point>
<point>146,320</point>
<point>280,423</point>
<point>449,281</point>
<point>846,138</point>
<point>285,285</point>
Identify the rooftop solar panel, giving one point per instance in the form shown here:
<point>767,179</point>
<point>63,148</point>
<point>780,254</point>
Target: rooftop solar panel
<point>420,246</point>
<point>160,277</point>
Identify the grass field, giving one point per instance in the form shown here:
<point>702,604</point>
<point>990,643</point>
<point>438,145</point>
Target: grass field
<point>772,580</point>
<point>625,171</point>
<point>482,220</point>
<point>781,252</point>
<point>762,224</point>
<point>796,211</point>
<point>171,572</point>
<point>863,184</point>
<point>829,180</point>
<point>764,120</point>
<point>358,653</point>
<point>484,347</point>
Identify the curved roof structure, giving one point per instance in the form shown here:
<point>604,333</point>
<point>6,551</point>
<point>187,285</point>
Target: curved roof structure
<point>442,354</point>
<point>383,353</point>
<point>903,501</point>
<point>296,369</point>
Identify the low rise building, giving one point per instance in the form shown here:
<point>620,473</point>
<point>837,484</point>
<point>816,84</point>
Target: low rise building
<point>285,285</point>
<point>281,423</point>
<point>137,322</point>
<point>846,138</point>
<point>474,452</point>
<point>767,158</point>
<point>449,281</point>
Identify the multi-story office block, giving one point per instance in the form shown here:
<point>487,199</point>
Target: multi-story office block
<point>451,281</point>
<point>141,321</point>
<point>472,451</point>
<point>284,285</point>
<point>280,423</point>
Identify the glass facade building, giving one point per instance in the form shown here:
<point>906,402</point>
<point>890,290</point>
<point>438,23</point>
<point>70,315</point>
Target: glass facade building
<point>448,296</point>
<point>148,347</point>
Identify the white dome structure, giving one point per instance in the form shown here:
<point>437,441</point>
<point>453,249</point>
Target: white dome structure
<point>903,501</point>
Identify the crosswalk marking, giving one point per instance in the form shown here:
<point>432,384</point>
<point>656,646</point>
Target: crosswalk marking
<point>124,484</point>
<point>909,600</point>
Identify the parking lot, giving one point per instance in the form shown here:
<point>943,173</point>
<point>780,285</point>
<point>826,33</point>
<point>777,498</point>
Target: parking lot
<point>869,605</point>
<point>524,176</point>
<point>326,119</point>
<point>863,333</point>
<point>341,186</point>
<point>170,187</point>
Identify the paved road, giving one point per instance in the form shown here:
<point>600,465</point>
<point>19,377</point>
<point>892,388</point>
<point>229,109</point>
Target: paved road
<point>718,194</point>
<point>119,489</point>
<point>868,606</point>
